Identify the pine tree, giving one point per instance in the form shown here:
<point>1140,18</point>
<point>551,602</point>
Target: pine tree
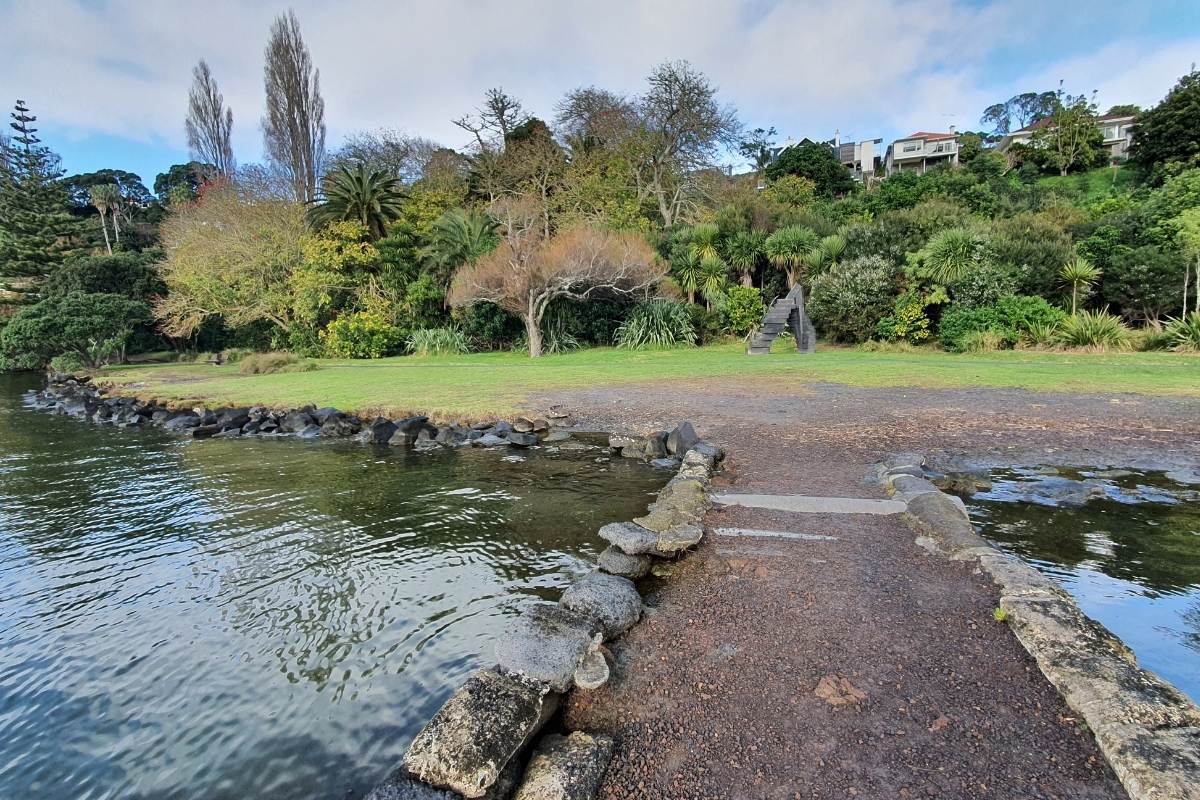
<point>36,228</point>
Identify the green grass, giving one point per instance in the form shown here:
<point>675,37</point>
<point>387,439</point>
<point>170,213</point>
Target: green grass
<point>1093,185</point>
<point>494,384</point>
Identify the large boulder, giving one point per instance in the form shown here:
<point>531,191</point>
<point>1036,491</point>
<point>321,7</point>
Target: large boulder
<point>616,561</point>
<point>181,420</point>
<point>295,421</point>
<point>339,424</point>
<point>611,600</point>
<point>630,537</point>
<point>322,415</point>
<point>378,431</point>
<point>490,440</point>
<point>709,450</point>
<point>566,767</point>
<point>473,737</point>
<point>402,786</point>
<point>522,439</point>
<point>546,643</point>
<point>656,445</point>
<point>407,430</point>
<point>233,418</point>
<point>682,439</point>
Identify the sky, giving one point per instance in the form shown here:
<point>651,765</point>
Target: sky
<point>108,79</point>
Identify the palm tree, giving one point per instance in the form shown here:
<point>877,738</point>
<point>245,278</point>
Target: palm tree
<point>952,254</point>
<point>371,198</point>
<point>714,277</point>
<point>742,251</point>
<point>704,240</point>
<point>826,255</point>
<point>686,270</point>
<point>1078,273</point>
<point>787,247</point>
<point>101,197</point>
<point>461,237</point>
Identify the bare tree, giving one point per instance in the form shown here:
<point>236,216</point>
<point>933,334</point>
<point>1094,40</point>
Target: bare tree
<point>494,120</point>
<point>209,123</point>
<point>681,130</point>
<point>294,125</point>
<point>589,116</point>
<point>528,270</point>
<point>394,152</point>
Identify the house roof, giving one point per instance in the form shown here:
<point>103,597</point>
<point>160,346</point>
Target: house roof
<point>927,136</point>
<point>1046,122</point>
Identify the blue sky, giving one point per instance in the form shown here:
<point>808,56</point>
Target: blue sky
<point>109,79</point>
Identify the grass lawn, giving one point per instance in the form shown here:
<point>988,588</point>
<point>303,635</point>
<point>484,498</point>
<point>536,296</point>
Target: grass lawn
<point>497,384</point>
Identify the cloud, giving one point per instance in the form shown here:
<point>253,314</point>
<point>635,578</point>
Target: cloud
<point>869,67</point>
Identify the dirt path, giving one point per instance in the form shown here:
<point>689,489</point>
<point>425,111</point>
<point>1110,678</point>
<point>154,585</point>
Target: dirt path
<point>716,693</point>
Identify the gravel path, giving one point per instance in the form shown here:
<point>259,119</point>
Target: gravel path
<point>858,666</point>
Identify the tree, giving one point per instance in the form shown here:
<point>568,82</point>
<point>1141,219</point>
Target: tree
<point>36,229</point>
<point>209,122</point>
<point>594,118</point>
<point>951,255</point>
<point>1124,110</point>
<point>743,251</point>
<point>134,275</point>
<point>680,129</point>
<point>406,158</point>
<point>105,197</point>
<point>461,237</point>
<point>1169,133</point>
<point>499,115</point>
<point>294,125</point>
<point>787,248</point>
<point>818,163</point>
<point>1019,111</point>
<point>181,182</point>
<point>1071,138</point>
<point>1187,231</point>
<point>1080,274</point>
<point>757,148</point>
<point>95,327</point>
<point>372,199</point>
<point>1143,282</point>
<point>527,271</point>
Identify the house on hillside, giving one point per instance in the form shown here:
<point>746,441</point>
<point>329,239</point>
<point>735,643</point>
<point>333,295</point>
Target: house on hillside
<point>922,151</point>
<point>863,158</point>
<point>1117,130</point>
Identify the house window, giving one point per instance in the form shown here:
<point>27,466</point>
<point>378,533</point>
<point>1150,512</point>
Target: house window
<point>909,148</point>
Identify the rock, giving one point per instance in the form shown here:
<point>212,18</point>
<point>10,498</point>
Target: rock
<point>322,415</point>
<point>540,426</point>
<point>592,672</point>
<point>656,445</point>
<point>678,538</point>
<point>910,463</point>
<point>634,450</point>
<point>452,435</point>
<point>523,425</point>
<point>682,501</point>
<point>295,421</point>
<point>378,431</point>
<point>616,561</point>
<point>938,516</point>
<point>566,768</point>
<point>665,463</point>
<point>407,430</point>
<point>1185,476</point>
<point>472,738</point>
<point>205,431</point>
<point>233,417</point>
<point>619,441</point>
<point>340,425</point>
<point>207,417</point>
<point>309,432</point>
<point>181,421</point>
<point>1055,491</point>
<point>709,450</point>
<point>837,691</point>
<point>228,433</point>
<point>501,428</point>
<point>556,436</point>
<point>250,428</point>
<point>546,644</point>
<point>402,786</point>
<point>522,439</point>
<point>630,537</point>
<point>611,600</point>
<point>682,439</point>
<point>909,485</point>
<point>489,440</point>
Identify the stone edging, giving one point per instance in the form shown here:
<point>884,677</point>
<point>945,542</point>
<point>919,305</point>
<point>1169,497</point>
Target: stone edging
<point>474,746</point>
<point>1147,729</point>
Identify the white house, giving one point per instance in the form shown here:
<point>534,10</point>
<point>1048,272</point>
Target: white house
<point>922,151</point>
<point>1117,130</point>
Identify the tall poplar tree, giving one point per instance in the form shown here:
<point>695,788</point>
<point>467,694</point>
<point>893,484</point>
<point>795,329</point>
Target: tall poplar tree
<point>294,125</point>
<point>36,228</point>
<point>209,122</point>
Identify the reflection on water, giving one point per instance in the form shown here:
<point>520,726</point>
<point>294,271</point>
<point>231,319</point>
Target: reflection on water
<point>233,619</point>
<point>1128,550</point>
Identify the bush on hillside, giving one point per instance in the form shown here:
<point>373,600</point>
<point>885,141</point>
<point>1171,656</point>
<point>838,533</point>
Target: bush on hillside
<point>1012,319</point>
<point>365,334</point>
<point>847,302</point>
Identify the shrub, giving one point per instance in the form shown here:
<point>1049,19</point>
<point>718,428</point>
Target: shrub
<point>235,355</point>
<point>960,321</point>
<point>364,334</point>
<point>743,309</point>
<point>847,302</point>
<point>1012,319</point>
<point>708,325</point>
<point>982,342</point>
<point>907,322</point>
<point>438,342</point>
<point>1096,329</point>
<point>1041,334</point>
<point>67,362</point>
<point>487,326</point>
<point>656,323</point>
<point>1184,334</point>
<point>270,363</point>
<point>984,286</point>
<point>94,326</point>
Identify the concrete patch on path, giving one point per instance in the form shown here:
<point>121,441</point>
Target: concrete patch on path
<point>805,504</point>
<point>755,532</point>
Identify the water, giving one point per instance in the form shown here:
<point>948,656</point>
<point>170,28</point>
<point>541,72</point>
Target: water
<point>1130,556</point>
<point>233,619</point>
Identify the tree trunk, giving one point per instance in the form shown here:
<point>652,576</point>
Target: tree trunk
<point>1074,297</point>
<point>104,227</point>
<point>1187,273</point>
<point>533,334</point>
<point>116,215</point>
<point>747,279</point>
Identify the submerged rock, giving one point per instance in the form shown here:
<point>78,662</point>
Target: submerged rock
<point>611,600</point>
<point>566,767</point>
<point>522,439</point>
<point>665,463</point>
<point>489,440</point>
<point>556,436</point>
<point>546,643</point>
<point>474,736</point>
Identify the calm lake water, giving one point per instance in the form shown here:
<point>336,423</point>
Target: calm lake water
<point>1130,556</point>
<point>260,619</point>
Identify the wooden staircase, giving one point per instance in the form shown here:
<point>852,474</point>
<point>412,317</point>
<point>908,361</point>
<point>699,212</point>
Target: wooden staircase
<point>786,313</point>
